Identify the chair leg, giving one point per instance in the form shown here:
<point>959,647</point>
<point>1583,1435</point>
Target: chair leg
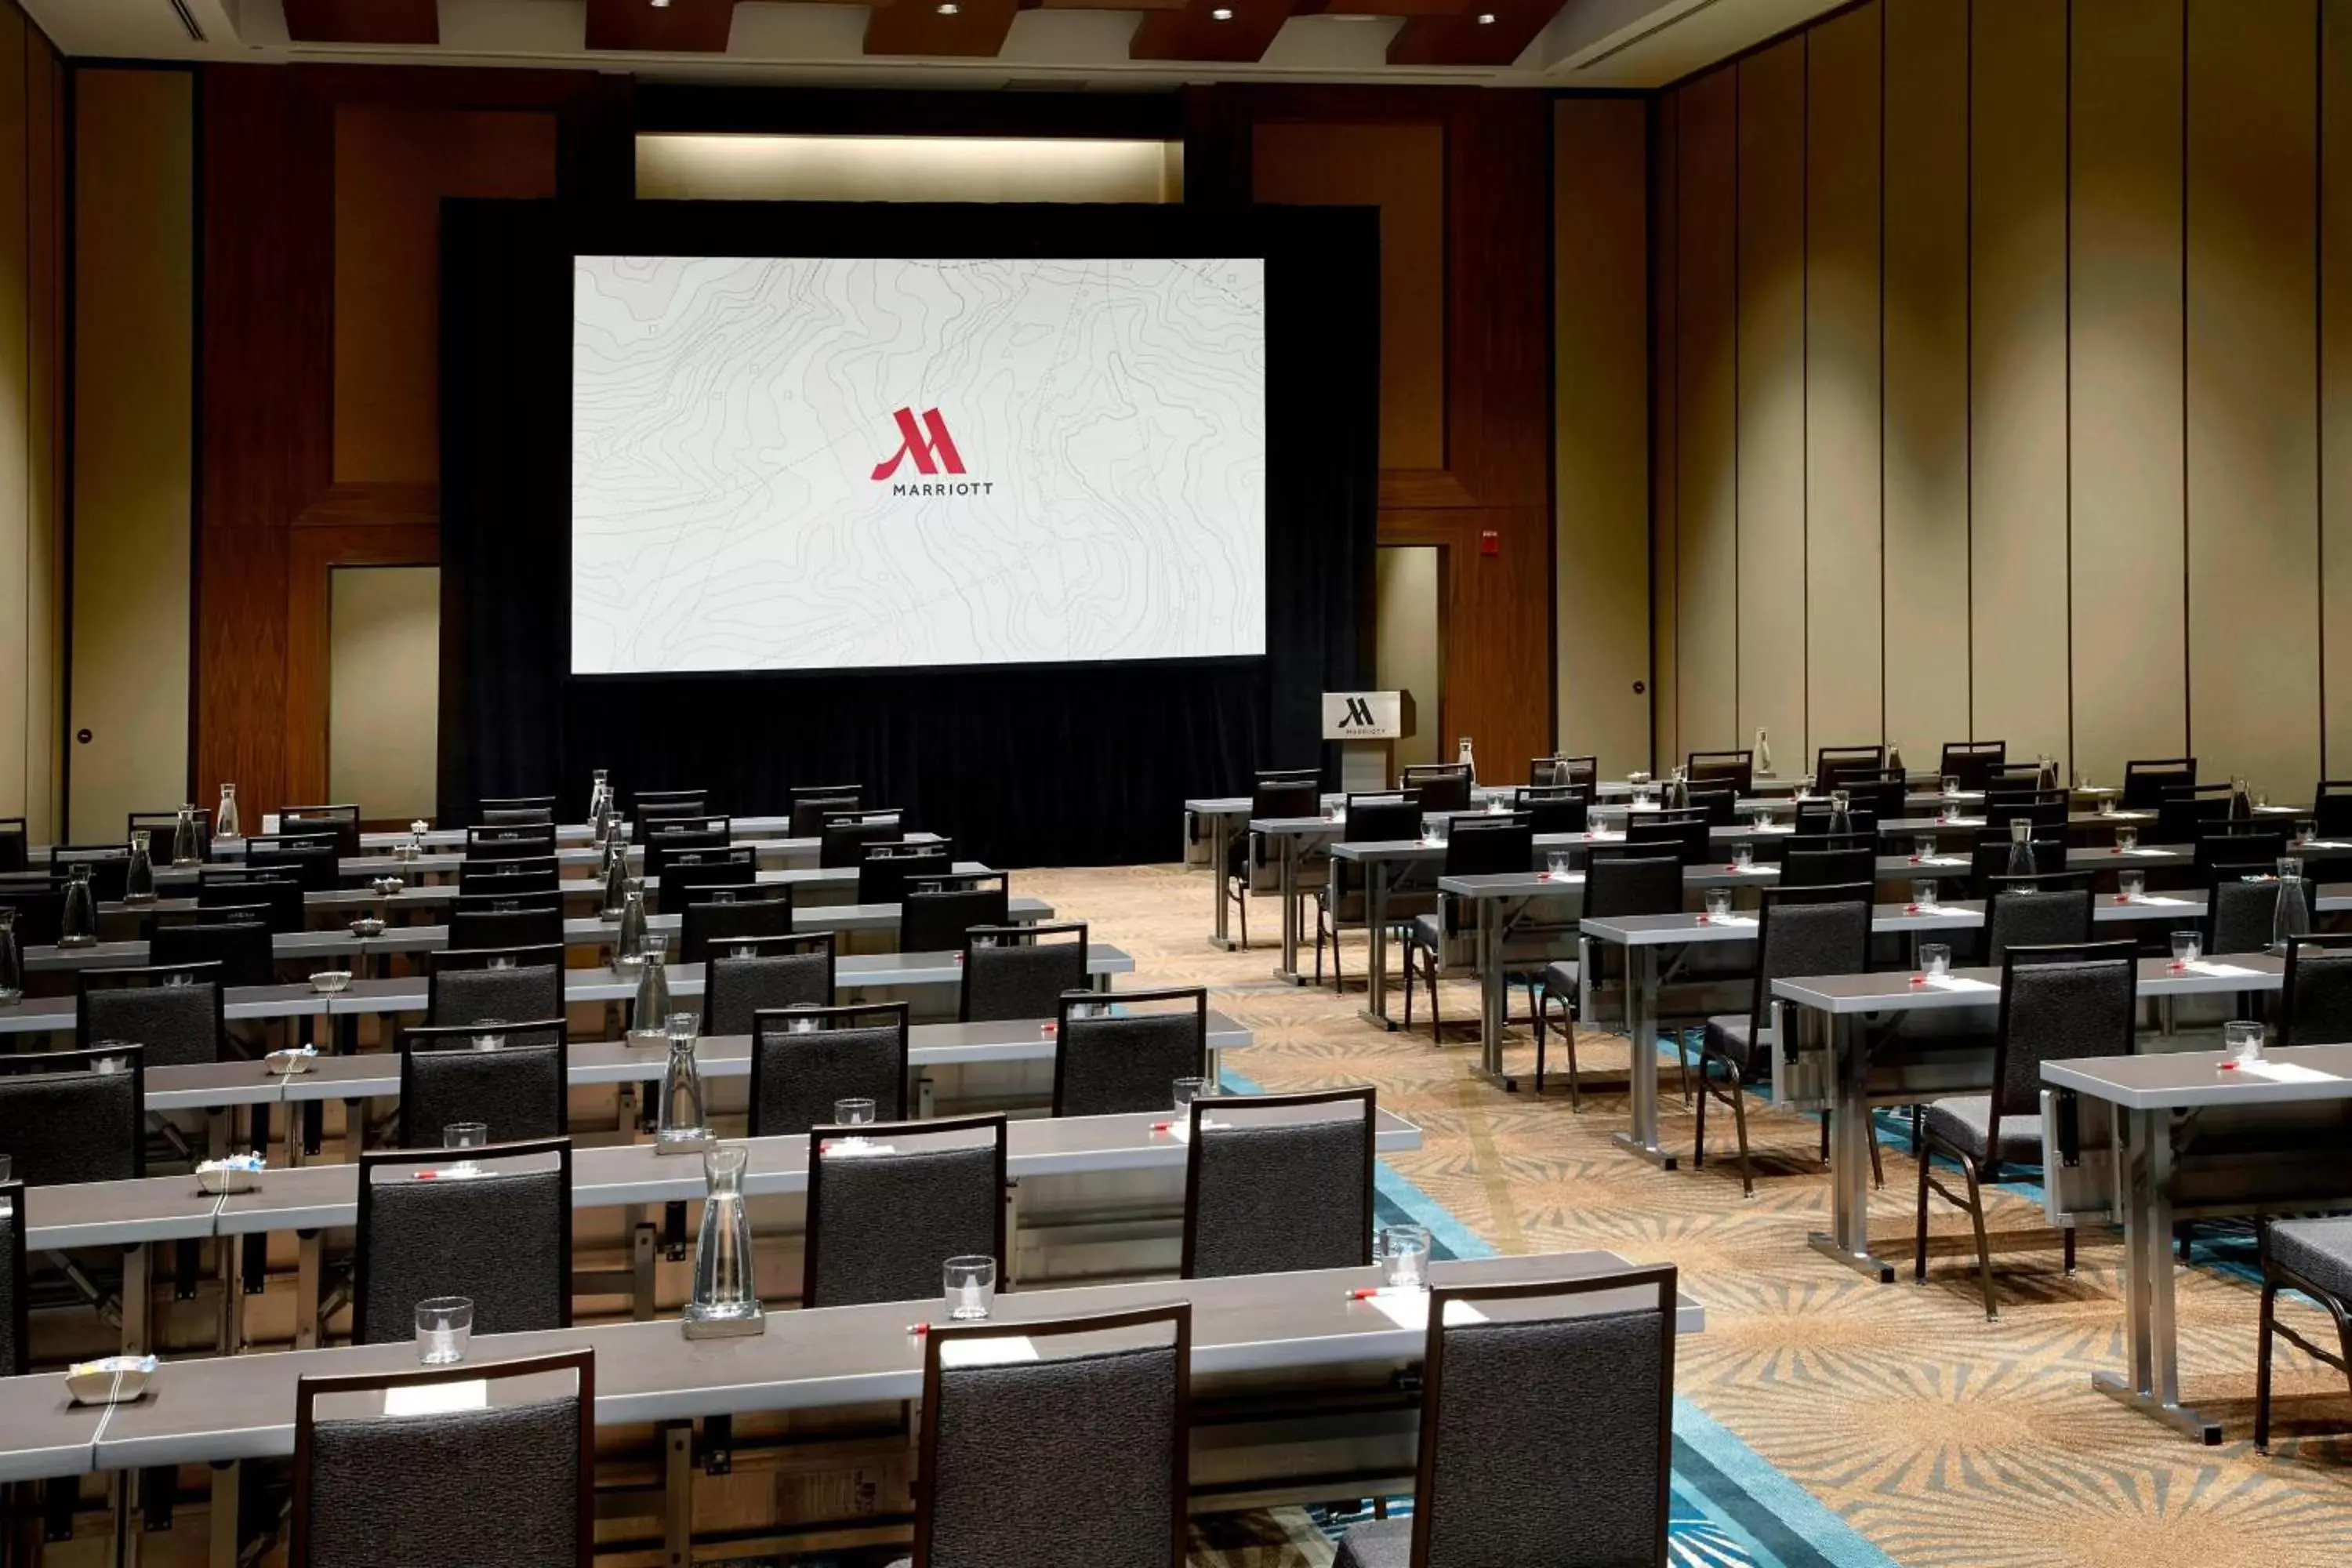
<point>1984,1249</point>
<point>1918,1130</point>
<point>1241,897</point>
<point>2262,1366</point>
<point>2068,1245</point>
<point>1877,1166</point>
<point>1537,999</point>
<point>1408,988</point>
<point>1825,1137</point>
<point>1919,1241</point>
<point>1436,1018</point>
<point>1740,1122</point>
<point>1338,976</point>
<point>1319,949</point>
<point>1682,1045</point>
<point>1706,1091</point>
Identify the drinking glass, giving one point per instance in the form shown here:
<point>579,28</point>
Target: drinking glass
<point>1951,789</point>
<point>1925,893</point>
<point>465,1135</point>
<point>1719,902</point>
<point>2244,1036</point>
<point>969,1284</point>
<point>2126,838</point>
<point>2106,805</point>
<point>1404,1254</point>
<point>2306,830</point>
<point>1743,858</point>
<point>444,1325</point>
<point>853,1112</point>
<point>1188,1090</point>
<point>2187,946</point>
<point>1935,959</point>
<point>2132,885</point>
<point>1763,819</point>
<point>1923,847</point>
<point>1556,863</point>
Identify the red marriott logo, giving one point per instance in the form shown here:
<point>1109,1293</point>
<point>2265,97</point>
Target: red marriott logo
<point>928,443</point>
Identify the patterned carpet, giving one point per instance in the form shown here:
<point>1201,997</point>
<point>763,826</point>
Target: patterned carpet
<point>1941,1440</point>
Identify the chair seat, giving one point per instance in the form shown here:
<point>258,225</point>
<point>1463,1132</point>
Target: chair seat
<point>1376,1543</point>
<point>1731,1036</point>
<point>1561,978</point>
<point>2319,1250</point>
<point>1964,1122</point>
<point>1426,931</point>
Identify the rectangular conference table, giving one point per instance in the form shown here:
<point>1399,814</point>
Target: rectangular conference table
<point>409,993</point>
<point>2140,1181</point>
<point>1832,1018</point>
<point>308,1200</point>
<point>222,1411</point>
<point>593,931</point>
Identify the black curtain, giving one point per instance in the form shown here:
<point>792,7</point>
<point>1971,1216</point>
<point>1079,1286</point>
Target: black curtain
<point>1069,764</point>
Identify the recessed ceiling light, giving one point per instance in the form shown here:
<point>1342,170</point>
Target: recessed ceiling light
<point>1486,18</point>
<point>949,7</point>
<point>1221,15</point>
<point>661,5</point>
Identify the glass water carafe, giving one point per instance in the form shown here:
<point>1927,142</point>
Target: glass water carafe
<point>600,794</point>
<point>1761,763</point>
<point>652,1004</point>
<point>1841,811</point>
<point>187,849</point>
<point>1463,756</point>
<point>680,1119</point>
<point>79,927</point>
<point>224,820</point>
<point>617,878</point>
<point>12,962</point>
<point>629,944</point>
<point>2292,916</point>
<point>2020,846</point>
<point>725,1292</point>
<point>139,876</point>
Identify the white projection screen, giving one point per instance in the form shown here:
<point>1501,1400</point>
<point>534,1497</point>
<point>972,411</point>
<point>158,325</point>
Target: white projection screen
<point>814,464</point>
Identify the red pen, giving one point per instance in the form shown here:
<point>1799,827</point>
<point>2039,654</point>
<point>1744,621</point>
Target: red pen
<point>1364,1295</point>
<point>1164,1126</point>
<point>427,1175</point>
<point>2229,1067</point>
<point>918,1330</point>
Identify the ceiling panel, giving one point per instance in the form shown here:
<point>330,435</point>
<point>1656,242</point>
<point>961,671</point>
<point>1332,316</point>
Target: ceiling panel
<point>364,21</point>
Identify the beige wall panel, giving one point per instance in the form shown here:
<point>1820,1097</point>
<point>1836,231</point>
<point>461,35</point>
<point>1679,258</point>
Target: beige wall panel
<point>1666,172</point>
<point>1842,402</point>
<point>2335,380</point>
<point>133,279</point>
<point>1772,402</point>
<point>1601,425</point>
<point>1926,312</point>
<point>1707,369</point>
<point>2017,399</point>
<point>384,687</point>
<point>1401,170</point>
<point>44,578</point>
<point>2253,520</point>
<point>17,585</point>
<point>728,167</point>
<point>1409,641</point>
<point>394,164</point>
<point>2130,679</point>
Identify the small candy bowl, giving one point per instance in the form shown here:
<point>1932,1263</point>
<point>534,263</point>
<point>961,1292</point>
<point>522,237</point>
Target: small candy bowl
<point>109,1380</point>
<point>219,1178</point>
<point>331,981</point>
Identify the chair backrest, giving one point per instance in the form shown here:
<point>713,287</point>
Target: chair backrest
<point>806,1060</point>
<point>510,840</point>
<point>313,859</point>
<point>171,1012</point>
<point>720,915</point>
<point>1691,841</point>
<point>515,1087</point>
<point>1832,764</point>
<point>882,1221</point>
<point>16,1285</point>
<point>934,915</point>
<point>516,808</point>
<point>1883,797</point>
<point>657,805</point>
<point>1386,819</point>
<point>40,906</point>
<point>1547,1422</point>
<point>279,893</point>
<point>1971,762</point>
<point>683,870</point>
<point>1558,770</point>
<point>1089,1425</point>
<point>2331,808</point>
<point>110,866</point>
<point>2187,813</point>
<point>477,984</point>
<point>1482,845</point>
<point>2074,999</point>
<point>2147,778</point>
<point>238,939</point>
<point>15,845</point>
<point>810,808</point>
<point>1628,883</point>
<point>746,975</point>
<point>74,1116</point>
<point>664,837</point>
<point>1109,1062</point>
<point>2038,917</point>
<point>165,827</point>
<point>1550,808</point>
<point>2241,907</point>
<point>1817,930</point>
<point>1443,787</point>
<point>1814,817</point>
<point>2315,1008</point>
<point>525,874</point>
<point>883,873</point>
<point>1990,859</point>
<point>2252,847</point>
<point>845,836</point>
<point>503,1239</point>
<point>510,1481</point>
<point>2045,813</point>
<point>1280,1181</point>
<point>1718,806</point>
<point>340,822</point>
<point>1824,867</point>
<point>530,920</point>
<point>1736,769</point>
<point>1020,971</point>
<point>1286,797</point>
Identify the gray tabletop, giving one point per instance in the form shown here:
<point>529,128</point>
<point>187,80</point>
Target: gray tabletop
<point>1898,991</point>
<point>2176,1080</point>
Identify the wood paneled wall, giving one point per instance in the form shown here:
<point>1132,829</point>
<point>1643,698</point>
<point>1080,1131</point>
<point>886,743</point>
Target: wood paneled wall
<point>32,423</point>
<point>1463,182</point>
<point>318,420</point>
<point>2003,383</point>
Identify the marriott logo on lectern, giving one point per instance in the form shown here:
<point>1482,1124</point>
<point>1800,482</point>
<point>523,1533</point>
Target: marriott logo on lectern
<point>926,443</point>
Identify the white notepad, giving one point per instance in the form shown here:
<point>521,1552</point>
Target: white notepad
<point>2219,971</point>
<point>994,1351</point>
<point>436,1398</point>
<point>2286,1072</point>
<point>1410,1309</point>
<point>1961,983</point>
<point>1731,920</point>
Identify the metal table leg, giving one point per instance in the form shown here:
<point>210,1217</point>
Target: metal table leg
<point>221,1545</point>
<point>1848,1239</point>
<point>1289,863</point>
<point>138,1291</point>
<point>1376,960</point>
<point>1641,1056</point>
<point>2151,1328</point>
<point>307,1264</point>
<point>1219,846</point>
